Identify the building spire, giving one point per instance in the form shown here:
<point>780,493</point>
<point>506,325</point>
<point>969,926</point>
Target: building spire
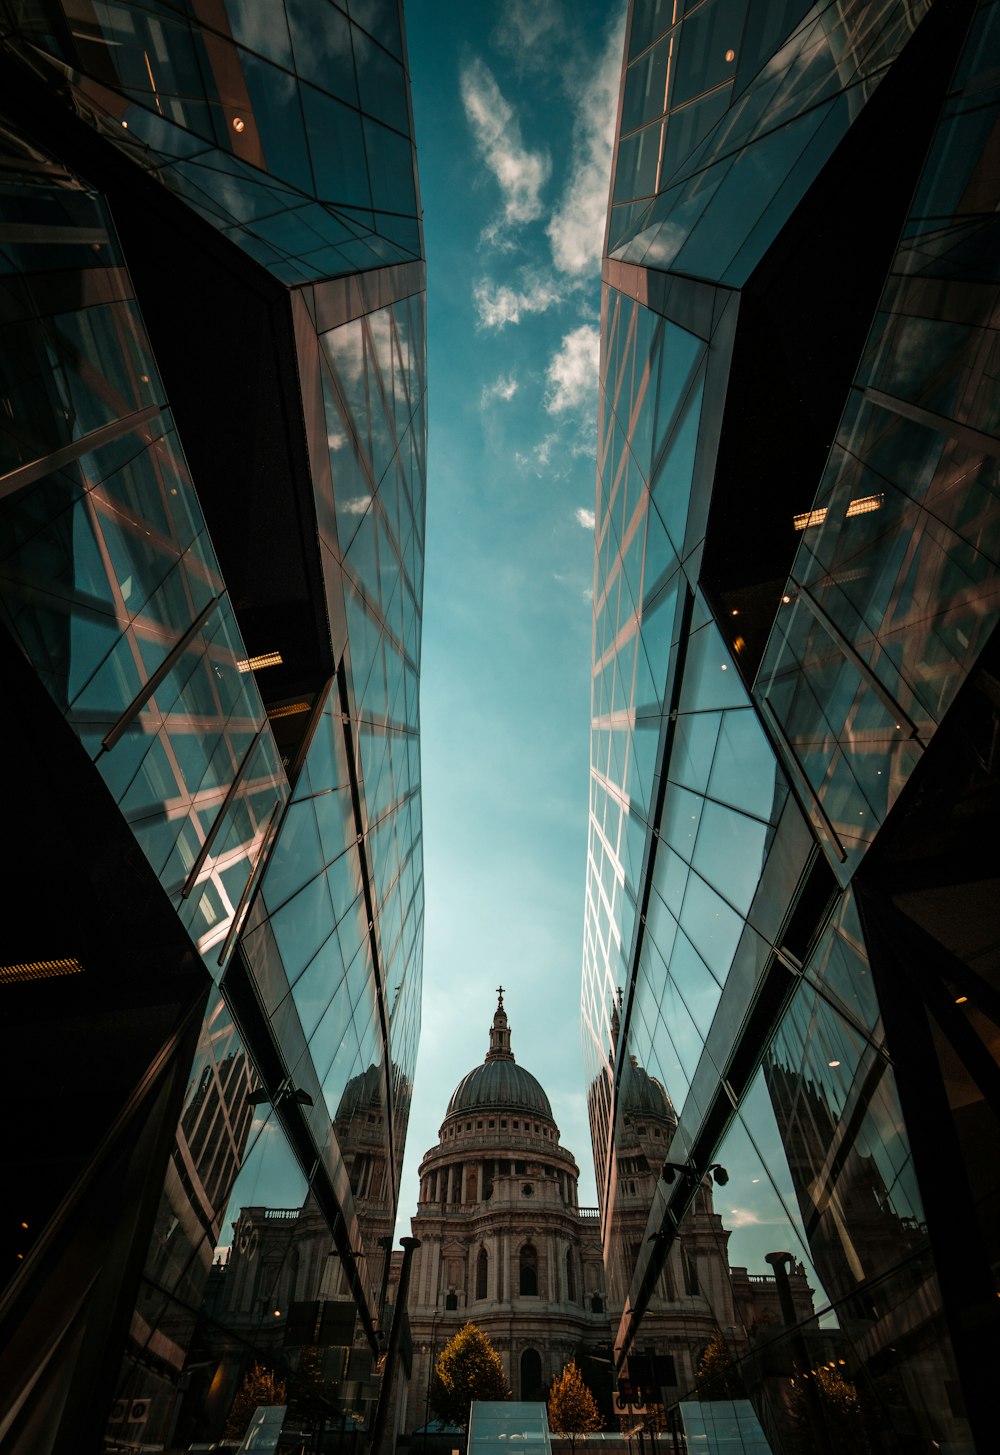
<point>500,1033</point>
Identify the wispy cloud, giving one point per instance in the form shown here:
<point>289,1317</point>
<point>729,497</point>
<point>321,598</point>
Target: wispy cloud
<point>526,29</point>
<point>572,373</point>
<point>356,505</point>
<point>521,173</point>
<point>538,459</point>
<point>498,304</point>
<point>584,517</point>
<point>576,229</point>
<point>504,387</point>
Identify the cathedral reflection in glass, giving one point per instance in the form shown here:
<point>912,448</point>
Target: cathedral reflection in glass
<point>212,483</point>
<point>791,897</point>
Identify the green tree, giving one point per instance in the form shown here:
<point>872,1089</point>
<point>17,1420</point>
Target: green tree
<point>468,1368</point>
<point>718,1377</point>
<point>572,1410</point>
<point>260,1386</point>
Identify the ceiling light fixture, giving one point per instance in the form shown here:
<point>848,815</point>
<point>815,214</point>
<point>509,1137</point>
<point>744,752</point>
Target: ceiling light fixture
<point>39,970</point>
<point>254,664</point>
<point>289,710</point>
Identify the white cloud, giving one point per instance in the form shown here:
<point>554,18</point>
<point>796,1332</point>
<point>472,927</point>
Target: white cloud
<point>585,517</point>
<point>572,372</point>
<point>742,1217</point>
<point>498,304</point>
<point>520,172</point>
<point>576,230</point>
<point>504,387</point>
<point>539,457</point>
<point>356,505</point>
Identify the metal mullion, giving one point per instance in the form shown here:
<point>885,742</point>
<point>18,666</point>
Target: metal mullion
<point>217,822</point>
<point>114,735</point>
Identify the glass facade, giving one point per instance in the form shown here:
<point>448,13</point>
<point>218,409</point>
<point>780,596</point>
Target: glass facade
<point>212,388</point>
<point>794,715</point>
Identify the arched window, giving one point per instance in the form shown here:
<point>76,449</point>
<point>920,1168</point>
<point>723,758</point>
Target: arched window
<point>482,1270</point>
<point>570,1277</point>
<point>529,1271</point>
<point>451,1301</point>
<point>597,1304</point>
<point>690,1274</point>
<point>531,1375</point>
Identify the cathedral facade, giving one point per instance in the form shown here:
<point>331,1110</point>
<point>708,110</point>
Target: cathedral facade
<point>504,1242</point>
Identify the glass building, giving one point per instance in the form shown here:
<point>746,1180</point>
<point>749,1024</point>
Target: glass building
<point>792,874</point>
<point>212,366</point>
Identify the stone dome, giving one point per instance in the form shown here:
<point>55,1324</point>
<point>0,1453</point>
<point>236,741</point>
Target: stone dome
<point>499,1082</point>
<point>643,1095</point>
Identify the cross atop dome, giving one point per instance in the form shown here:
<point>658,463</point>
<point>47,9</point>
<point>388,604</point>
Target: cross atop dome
<point>500,1033</point>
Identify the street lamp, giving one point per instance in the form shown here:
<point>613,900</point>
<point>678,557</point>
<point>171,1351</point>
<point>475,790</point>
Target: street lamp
<point>430,1373</point>
<point>688,1171</point>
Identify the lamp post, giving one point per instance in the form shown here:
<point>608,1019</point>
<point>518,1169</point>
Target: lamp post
<point>409,1247</point>
<point>430,1375</point>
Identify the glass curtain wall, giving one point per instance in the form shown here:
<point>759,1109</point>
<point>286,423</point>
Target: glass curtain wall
<point>274,796</point>
<point>794,645</point>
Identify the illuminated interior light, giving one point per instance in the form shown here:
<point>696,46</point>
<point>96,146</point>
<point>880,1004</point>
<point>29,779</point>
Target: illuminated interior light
<point>786,599</point>
<point>809,518</point>
<point>730,55</point>
<point>865,504</point>
<point>734,612</point>
<point>24,1225</point>
<point>125,124</point>
<point>39,970</point>
<point>961,999</point>
<point>833,1063</point>
<point>289,710</point>
<point>254,664</point>
<point>238,123</point>
<point>725,667</point>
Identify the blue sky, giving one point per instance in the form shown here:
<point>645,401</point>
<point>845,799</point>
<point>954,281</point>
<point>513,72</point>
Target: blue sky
<point>514,108</point>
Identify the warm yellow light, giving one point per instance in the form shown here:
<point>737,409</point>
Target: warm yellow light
<point>730,55</point>
<point>833,1063</point>
<point>809,518</point>
<point>254,664</point>
<point>961,999</point>
<point>24,1225</point>
<point>289,710</point>
<point>39,970</point>
<point>238,123</point>
<point>865,503</point>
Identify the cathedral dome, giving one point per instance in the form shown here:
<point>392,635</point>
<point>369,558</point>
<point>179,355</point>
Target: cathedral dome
<point>643,1095</point>
<point>499,1082</point>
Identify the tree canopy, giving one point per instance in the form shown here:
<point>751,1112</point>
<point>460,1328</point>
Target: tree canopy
<point>260,1387</point>
<point>572,1409</point>
<point>718,1377</point>
<point>468,1368</point>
